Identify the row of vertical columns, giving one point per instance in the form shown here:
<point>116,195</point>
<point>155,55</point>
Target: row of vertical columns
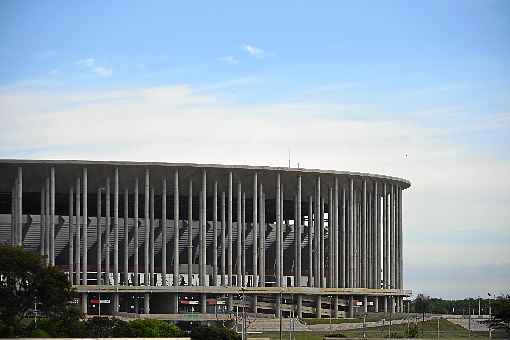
<point>354,239</point>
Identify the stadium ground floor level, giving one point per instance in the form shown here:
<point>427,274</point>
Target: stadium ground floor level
<point>300,302</point>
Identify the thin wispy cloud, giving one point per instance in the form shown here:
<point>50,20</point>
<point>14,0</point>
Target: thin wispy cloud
<point>90,64</point>
<point>231,60</point>
<point>253,51</point>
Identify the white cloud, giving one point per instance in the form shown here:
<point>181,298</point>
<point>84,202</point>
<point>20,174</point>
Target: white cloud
<point>88,62</point>
<point>254,51</point>
<point>230,60</point>
<point>90,65</point>
<point>453,187</point>
<point>103,71</point>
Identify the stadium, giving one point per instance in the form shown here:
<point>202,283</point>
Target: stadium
<point>170,238</point>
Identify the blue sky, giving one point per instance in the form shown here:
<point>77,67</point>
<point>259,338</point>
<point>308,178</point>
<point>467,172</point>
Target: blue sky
<point>344,85</point>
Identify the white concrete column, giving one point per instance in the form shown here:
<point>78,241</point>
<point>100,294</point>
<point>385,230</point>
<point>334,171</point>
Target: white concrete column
<point>311,237</point>
<point>126,238</point>
<point>262,251</point>
<point>203,230</point>
<point>107,254</point>
<point>19,198</point>
<point>331,270</point>
<point>392,237</point>
<point>78,228</point>
<point>239,231</point>
<point>146,303</point>
<point>146,227</point>
<point>41,226</point>
<point>176,230</point>
<point>163,231</point>
<point>46,219</point>
<point>71,233</point>
<point>282,228</point>
<point>255,255</point>
<point>85,248</point>
<point>243,239</point>
<point>230,229</point>
<point>368,217</point>
<point>14,204</point>
<point>136,230</point>
<point>377,237</point>
<point>343,241</point>
<point>351,233</point>
<point>317,224</point>
<point>176,260</point>
<point>99,242</point>
<point>215,235</point>
<point>152,238</point>
<point>190,233</point>
<point>400,243</point>
<point>299,234</point>
<point>223,241</point>
<point>116,227</point>
<point>278,234</point>
<point>364,235</point>
<point>52,214</point>
<point>298,231</point>
<point>386,259</point>
<point>336,255</point>
<point>323,248</point>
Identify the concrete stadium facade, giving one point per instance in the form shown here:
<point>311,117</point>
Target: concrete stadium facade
<point>164,238</point>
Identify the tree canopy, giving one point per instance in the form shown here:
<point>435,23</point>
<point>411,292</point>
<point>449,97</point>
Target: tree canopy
<point>24,282</point>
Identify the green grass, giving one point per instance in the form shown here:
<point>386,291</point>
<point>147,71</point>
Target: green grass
<point>325,321</point>
<point>298,335</point>
<point>427,329</point>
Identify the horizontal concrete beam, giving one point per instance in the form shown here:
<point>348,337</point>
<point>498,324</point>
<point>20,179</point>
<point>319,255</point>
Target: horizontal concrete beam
<point>240,290</point>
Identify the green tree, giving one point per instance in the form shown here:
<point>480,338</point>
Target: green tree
<point>25,281</point>
<point>502,308</point>
<point>422,304</point>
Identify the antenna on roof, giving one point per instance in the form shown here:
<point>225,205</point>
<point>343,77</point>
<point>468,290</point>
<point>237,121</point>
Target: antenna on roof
<point>289,157</point>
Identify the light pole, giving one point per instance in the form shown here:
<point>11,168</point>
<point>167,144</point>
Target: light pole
<point>280,311</point>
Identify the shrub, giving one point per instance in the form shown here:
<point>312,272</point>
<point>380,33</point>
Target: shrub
<point>148,328</point>
<point>213,333</point>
